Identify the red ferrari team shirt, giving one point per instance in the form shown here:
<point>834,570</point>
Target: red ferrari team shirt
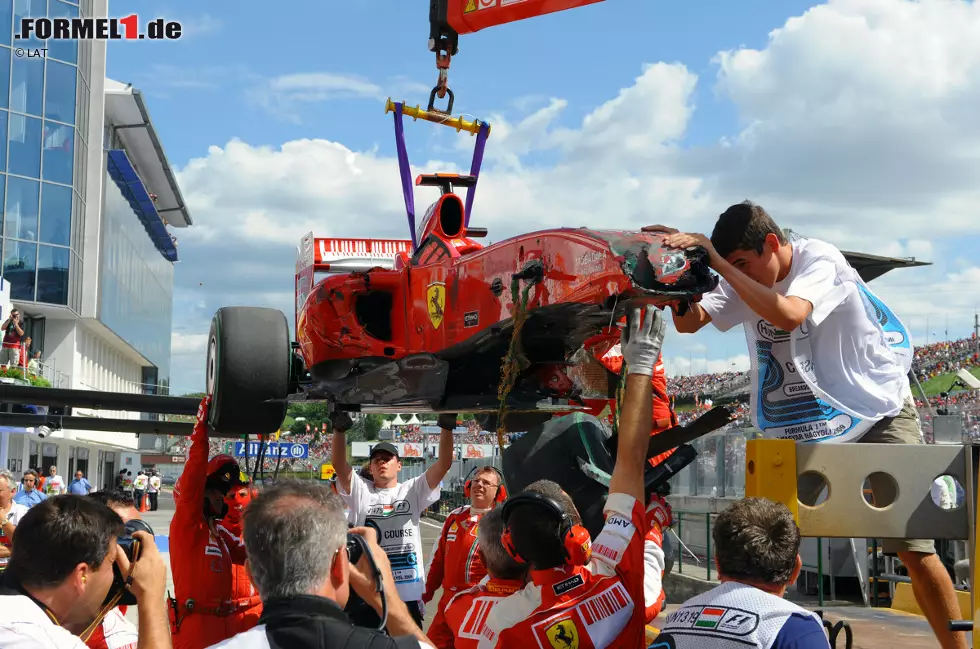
<point>468,610</point>
<point>456,564</point>
<point>594,607</point>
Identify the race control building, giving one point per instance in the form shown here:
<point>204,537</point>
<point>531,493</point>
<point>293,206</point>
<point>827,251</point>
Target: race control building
<point>89,204</point>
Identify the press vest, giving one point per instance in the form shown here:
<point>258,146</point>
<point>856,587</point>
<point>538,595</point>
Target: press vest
<point>730,616</point>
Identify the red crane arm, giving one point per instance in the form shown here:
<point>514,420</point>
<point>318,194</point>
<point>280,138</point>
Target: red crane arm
<point>450,18</point>
<point>467,16</point>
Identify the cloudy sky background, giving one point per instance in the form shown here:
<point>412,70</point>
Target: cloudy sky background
<point>854,121</point>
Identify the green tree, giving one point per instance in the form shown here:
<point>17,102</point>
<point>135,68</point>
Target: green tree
<point>366,428</point>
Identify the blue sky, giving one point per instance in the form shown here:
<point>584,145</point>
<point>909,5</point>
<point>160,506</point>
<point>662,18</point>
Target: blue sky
<point>837,124</point>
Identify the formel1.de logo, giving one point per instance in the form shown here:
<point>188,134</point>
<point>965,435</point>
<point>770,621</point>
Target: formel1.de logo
<point>98,29</point>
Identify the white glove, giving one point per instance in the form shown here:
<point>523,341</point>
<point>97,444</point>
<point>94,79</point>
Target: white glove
<point>642,341</point>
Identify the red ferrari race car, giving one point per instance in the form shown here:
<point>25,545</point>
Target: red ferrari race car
<point>427,325</point>
<point>430,332</point>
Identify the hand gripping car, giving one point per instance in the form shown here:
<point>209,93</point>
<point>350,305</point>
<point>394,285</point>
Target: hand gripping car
<point>429,329</point>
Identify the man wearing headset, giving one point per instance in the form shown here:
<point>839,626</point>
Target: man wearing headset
<point>456,563</point>
<point>466,612</point>
<point>583,594</point>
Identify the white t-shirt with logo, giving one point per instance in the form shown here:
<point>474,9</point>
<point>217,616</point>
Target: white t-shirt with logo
<point>54,485</point>
<point>155,484</point>
<point>394,513</point>
<point>834,376</point>
<point>140,483</point>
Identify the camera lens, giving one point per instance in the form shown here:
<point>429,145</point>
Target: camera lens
<point>355,549</point>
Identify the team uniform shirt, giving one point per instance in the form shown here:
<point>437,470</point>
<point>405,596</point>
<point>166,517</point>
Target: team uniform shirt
<point>140,483</point>
<point>230,530</point>
<point>834,376</point>
<point>594,607</point>
<point>54,485</point>
<point>395,513</point>
<point>202,563</point>
<point>25,625</point>
<point>456,565</point>
<point>154,484</point>
<point>16,512</point>
<point>115,632</point>
<point>467,611</point>
<point>736,616</point>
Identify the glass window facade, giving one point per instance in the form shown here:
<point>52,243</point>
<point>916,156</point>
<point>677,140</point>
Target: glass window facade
<point>137,283</point>
<point>43,121</point>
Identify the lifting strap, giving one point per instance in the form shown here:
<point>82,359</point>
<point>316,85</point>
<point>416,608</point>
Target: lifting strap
<point>405,168</point>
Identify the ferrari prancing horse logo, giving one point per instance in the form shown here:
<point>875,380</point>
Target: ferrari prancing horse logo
<point>563,635</point>
<point>435,298</point>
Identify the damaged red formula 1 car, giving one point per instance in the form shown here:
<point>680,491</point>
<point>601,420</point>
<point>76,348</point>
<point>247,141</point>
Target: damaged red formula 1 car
<point>429,330</point>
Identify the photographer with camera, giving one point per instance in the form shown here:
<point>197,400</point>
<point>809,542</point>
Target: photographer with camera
<point>116,632</point>
<point>13,332</point>
<point>305,562</point>
<point>66,571</point>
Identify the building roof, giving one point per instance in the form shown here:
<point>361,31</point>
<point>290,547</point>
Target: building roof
<point>126,111</point>
<point>871,267</point>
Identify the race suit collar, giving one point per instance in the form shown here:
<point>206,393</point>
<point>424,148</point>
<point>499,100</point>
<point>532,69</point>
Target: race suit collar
<point>503,586</point>
<point>552,576</point>
<point>278,611</point>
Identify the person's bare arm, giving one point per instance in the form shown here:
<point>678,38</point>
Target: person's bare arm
<point>4,552</point>
<point>641,347</point>
<point>787,313</point>
<point>340,422</point>
<point>435,473</point>
<point>692,321</point>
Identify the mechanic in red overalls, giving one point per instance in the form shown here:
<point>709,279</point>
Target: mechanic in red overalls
<point>230,529</point>
<point>456,562</point>
<point>206,607</point>
<point>606,348</point>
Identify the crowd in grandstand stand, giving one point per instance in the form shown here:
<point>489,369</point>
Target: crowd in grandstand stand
<point>700,384</point>
<point>947,356</point>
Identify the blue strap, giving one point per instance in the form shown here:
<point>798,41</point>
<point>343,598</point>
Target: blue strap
<point>481,142</point>
<point>405,171</point>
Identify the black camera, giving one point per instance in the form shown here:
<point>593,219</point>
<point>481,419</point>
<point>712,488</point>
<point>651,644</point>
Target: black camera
<point>355,547</point>
<point>132,549</point>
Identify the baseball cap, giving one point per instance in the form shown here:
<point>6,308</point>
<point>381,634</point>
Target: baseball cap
<point>385,447</point>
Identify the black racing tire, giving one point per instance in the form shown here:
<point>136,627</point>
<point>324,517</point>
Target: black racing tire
<point>248,370</point>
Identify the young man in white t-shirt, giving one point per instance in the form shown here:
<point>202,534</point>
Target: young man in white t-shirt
<point>393,508</point>
<point>830,361</point>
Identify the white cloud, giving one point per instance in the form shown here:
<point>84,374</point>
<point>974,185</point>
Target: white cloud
<point>858,126</point>
<point>286,94</point>
<point>200,26</point>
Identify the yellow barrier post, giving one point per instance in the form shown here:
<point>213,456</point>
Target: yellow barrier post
<point>770,472</point>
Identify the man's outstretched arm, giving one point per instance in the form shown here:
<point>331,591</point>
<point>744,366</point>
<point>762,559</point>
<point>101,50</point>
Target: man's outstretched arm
<point>642,341</point>
<point>435,473</point>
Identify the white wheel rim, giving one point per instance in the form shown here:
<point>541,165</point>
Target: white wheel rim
<point>212,365</point>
